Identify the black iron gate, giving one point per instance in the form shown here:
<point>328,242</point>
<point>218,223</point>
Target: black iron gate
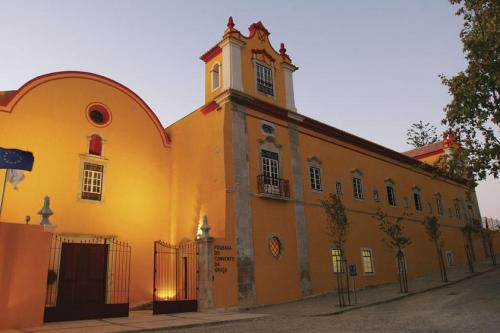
<point>175,287</point>
<point>87,279</point>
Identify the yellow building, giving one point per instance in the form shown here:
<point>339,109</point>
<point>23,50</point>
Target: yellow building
<point>247,159</point>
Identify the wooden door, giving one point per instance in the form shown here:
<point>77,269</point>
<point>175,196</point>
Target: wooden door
<point>82,278</point>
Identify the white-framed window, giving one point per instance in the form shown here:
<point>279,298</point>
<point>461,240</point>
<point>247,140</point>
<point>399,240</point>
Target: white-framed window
<point>92,181</point>
<point>270,171</point>
<point>338,188</point>
<point>449,258</point>
<point>315,178</point>
<point>458,214</point>
<point>215,76</point>
<point>439,204</point>
<point>337,265</point>
<point>357,185</point>
<point>367,261</point>
<point>264,76</point>
<point>391,196</point>
<point>417,199</point>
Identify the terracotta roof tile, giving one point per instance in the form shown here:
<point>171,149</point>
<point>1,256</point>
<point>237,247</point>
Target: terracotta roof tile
<point>419,151</point>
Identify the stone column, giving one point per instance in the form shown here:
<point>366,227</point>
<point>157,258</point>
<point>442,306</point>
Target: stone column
<point>205,268</point>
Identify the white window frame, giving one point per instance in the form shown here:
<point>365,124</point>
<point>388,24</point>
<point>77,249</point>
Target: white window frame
<point>372,261</point>
<point>270,168</point>
<point>271,76</point>
<point>218,76</point>
<point>92,181</point>
<point>357,185</point>
<point>315,174</point>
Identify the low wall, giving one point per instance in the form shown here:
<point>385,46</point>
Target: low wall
<point>24,260</point>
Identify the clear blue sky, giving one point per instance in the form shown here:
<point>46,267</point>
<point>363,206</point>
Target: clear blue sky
<point>367,67</point>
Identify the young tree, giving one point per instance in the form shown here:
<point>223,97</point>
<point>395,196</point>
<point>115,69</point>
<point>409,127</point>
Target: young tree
<point>397,241</point>
<point>468,230</point>
<point>421,134</point>
<point>337,229</point>
<point>488,236</point>
<point>474,112</point>
<point>432,228</point>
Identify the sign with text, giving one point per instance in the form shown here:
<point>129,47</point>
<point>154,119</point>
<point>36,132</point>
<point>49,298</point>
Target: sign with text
<point>222,257</point>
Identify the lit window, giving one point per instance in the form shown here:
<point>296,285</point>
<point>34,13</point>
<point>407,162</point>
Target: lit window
<point>367,259</point>
<point>264,79</point>
<point>275,246</point>
<point>337,263</point>
<point>92,181</point>
<point>315,177</point>
<point>439,204</point>
<point>215,76</point>
<point>338,188</point>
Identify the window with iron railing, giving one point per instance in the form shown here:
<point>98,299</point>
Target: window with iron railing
<point>264,79</point>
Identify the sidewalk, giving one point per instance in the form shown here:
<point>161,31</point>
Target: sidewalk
<point>324,305</point>
<point>327,304</point>
<point>139,321</point>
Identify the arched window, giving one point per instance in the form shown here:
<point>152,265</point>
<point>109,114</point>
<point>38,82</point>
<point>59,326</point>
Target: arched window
<point>95,145</point>
<point>215,76</point>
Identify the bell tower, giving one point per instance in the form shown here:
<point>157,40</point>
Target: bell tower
<point>249,65</point>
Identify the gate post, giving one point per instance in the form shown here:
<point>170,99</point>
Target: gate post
<point>205,268</point>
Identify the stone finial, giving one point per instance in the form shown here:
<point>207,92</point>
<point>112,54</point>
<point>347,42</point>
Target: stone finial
<point>230,22</point>
<point>282,49</point>
<point>205,228</point>
<point>45,212</point>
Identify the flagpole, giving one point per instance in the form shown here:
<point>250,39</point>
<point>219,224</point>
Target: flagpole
<point>3,194</point>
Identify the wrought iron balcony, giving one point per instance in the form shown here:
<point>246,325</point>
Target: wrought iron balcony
<point>273,187</point>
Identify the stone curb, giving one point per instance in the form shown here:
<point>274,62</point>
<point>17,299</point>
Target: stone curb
<point>397,298</point>
<point>184,326</point>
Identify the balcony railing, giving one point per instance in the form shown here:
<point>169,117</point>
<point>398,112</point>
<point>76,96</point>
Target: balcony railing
<point>275,187</point>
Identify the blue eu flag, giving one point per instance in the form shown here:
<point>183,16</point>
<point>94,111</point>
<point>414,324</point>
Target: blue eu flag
<point>16,159</point>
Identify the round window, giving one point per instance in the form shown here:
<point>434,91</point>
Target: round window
<point>98,115</point>
<point>275,246</point>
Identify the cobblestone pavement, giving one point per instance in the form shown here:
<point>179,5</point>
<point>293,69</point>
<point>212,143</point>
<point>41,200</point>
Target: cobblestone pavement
<point>472,305</point>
